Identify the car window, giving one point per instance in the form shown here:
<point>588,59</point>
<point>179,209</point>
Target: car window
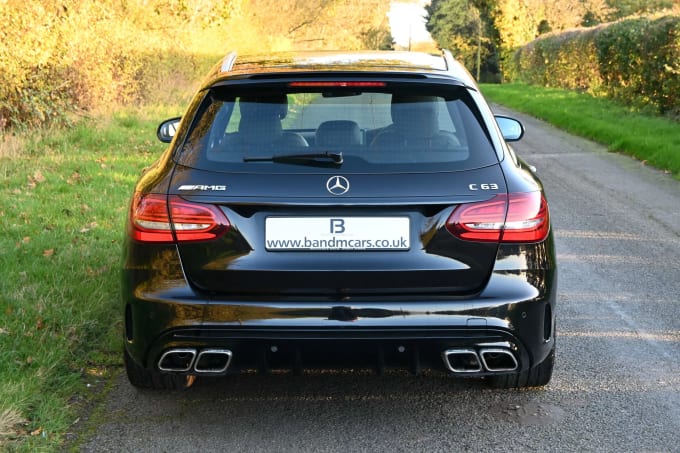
<point>375,130</point>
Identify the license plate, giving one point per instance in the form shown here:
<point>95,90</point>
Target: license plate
<point>337,233</point>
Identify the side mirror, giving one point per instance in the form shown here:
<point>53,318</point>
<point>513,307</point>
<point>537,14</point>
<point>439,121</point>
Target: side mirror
<point>511,129</point>
<point>167,129</point>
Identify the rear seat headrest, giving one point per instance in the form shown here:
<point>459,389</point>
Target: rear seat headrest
<point>338,133</point>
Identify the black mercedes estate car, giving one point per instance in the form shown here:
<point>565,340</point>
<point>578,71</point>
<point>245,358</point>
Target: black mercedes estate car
<point>339,210</point>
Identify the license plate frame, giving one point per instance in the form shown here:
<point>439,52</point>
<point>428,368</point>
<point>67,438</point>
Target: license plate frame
<point>337,233</point>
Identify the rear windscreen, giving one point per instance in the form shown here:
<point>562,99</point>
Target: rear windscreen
<point>375,129</point>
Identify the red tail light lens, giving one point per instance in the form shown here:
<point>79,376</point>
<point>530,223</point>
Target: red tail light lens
<point>337,84</point>
<point>516,217</point>
<point>157,218</point>
<point>479,221</point>
<point>528,218</point>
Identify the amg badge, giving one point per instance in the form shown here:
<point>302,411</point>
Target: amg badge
<point>200,187</point>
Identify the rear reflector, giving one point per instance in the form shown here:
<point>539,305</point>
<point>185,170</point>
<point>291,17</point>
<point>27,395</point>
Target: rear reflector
<point>515,217</point>
<point>157,218</point>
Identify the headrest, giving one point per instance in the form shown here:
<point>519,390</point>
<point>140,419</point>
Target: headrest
<point>338,133</point>
<point>275,105</point>
<point>415,115</point>
<point>261,116</point>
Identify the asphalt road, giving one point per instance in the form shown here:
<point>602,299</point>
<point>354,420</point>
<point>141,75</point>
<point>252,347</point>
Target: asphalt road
<point>616,385</point>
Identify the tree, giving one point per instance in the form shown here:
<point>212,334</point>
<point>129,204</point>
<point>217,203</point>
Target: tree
<point>377,38</point>
<point>317,24</point>
<point>517,22</point>
<point>457,25</point>
<point>509,24</point>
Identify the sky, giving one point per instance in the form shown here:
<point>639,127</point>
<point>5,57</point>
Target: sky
<point>407,18</point>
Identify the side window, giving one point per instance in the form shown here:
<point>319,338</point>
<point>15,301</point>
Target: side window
<point>210,127</point>
<point>234,117</point>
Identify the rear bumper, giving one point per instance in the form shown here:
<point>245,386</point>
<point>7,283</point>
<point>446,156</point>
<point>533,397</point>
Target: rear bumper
<point>515,312</point>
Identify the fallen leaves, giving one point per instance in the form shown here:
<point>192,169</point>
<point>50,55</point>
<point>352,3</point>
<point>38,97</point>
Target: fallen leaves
<point>35,179</point>
<point>99,271</point>
<point>74,178</point>
<point>88,227</point>
<point>101,161</point>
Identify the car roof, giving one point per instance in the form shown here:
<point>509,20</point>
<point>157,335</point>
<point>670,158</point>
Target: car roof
<point>234,66</point>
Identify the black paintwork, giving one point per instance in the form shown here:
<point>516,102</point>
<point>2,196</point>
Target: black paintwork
<point>396,307</point>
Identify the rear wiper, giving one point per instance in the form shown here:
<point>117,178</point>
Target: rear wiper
<point>309,158</point>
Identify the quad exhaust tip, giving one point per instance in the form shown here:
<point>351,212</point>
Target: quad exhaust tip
<point>457,360</point>
<point>177,360</point>
<point>206,361</point>
<point>498,359</point>
<point>468,360</point>
<point>213,361</point>
<point>462,360</point>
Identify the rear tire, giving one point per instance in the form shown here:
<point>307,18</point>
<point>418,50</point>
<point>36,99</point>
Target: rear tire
<point>150,379</point>
<point>537,376</point>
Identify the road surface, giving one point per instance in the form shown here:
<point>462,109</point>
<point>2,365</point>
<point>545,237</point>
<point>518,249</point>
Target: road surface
<point>616,385</point>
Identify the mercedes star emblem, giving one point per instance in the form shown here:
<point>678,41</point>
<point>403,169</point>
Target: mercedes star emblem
<point>337,185</point>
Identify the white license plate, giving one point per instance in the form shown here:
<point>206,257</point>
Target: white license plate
<point>337,233</point>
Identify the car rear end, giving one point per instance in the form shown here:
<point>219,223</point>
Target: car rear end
<point>354,218</point>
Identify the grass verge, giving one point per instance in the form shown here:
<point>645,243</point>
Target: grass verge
<point>649,138</point>
<point>62,219</point>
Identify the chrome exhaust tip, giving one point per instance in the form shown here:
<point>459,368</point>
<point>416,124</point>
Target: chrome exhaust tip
<point>177,360</point>
<point>213,361</point>
<point>498,359</point>
<point>462,360</point>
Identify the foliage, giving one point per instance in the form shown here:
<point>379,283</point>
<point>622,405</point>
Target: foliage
<point>625,8</point>
<point>316,24</point>
<point>651,139</point>
<point>58,57</point>
<point>640,60</point>
<point>510,24</point>
<point>62,226</point>
<point>377,38</point>
<point>457,26</point>
<point>61,57</point>
<point>635,60</point>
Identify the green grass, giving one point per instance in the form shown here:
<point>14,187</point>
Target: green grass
<point>649,138</point>
<point>65,197</point>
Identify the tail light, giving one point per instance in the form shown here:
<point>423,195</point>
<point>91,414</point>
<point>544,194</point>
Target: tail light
<point>157,218</point>
<point>514,217</point>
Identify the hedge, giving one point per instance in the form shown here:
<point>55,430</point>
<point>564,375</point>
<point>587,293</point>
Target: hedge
<point>64,57</point>
<point>53,92</point>
<point>635,60</point>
